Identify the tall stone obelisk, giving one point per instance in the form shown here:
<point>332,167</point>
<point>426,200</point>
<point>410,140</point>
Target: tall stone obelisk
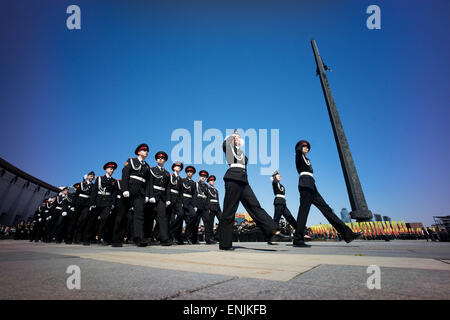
<point>360,211</point>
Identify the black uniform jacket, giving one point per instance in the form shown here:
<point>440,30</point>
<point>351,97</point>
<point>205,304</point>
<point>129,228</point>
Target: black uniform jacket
<point>103,192</point>
<point>213,194</point>
<point>176,188</point>
<point>136,178</point>
<point>303,165</point>
<point>278,189</point>
<point>83,194</point>
<point>235,155</point>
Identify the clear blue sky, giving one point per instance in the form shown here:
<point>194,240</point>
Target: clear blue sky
<point>137,70</point>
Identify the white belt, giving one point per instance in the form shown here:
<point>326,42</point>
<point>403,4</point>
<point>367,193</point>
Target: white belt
<point>138,178</point>
<point>104,193</point>
<point>84,195</point>
<point>237,165</point>
<point>306,173</point>
<point>159,188</point>
<point>213,200</point>
<point>187,195</point>
<point>280,196</point>
<point>58,208</point>
<point>174,191</point>
<point>201,196</point>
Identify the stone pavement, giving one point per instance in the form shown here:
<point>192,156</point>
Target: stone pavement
<point>409,269</point>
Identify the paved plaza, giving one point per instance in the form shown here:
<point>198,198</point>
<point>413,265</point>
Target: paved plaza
<point>408,269</point>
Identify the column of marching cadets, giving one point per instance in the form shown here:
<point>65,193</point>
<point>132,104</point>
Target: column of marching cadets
<point>148,205</point>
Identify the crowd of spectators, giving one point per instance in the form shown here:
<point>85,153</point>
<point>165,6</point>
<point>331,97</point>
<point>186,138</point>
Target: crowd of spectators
<point>247,231</point>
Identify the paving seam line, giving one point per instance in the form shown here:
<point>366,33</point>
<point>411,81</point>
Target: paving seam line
<point>184,292</point>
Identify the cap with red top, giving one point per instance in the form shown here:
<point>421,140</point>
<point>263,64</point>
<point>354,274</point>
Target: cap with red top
<point>303,143</point>
<point>110,164</point>
<point>142,146</point>
<point>177,163</point>
<point>212,177</point>
<point>190,169</point>
<point>203,173</point>
<point>161,154</point>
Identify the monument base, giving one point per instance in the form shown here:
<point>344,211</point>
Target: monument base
<point>361,215</point>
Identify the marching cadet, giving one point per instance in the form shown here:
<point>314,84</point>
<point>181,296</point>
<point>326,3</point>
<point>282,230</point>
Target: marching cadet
<point>136,188</point>
<point>160,196</point>
<point>82,201</point>
<point>72,216</point>
<point>38,222</point>
<point>309,195</point>
<point>238,189</point>
<point>189,195</point>
<point>62,209</point>
<point>280,201</point>
<point>120,219</point>
<point>102,200</point>
<point>213,200</point>
<point>48,224</point>
<point>201,203</point>
<point>175,210</point>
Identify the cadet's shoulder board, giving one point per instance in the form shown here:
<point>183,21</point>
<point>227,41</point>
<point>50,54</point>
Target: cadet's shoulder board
<point>126,163</point>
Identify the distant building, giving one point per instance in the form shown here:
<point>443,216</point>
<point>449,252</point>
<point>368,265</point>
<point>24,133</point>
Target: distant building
<point>377,217</point>
<point>20,194</point>
<point>345,216</point>
<point>386,218</point>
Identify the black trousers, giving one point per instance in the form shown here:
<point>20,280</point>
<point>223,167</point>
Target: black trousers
<point>138,204</point>
<point>194,223</point>
<point>61,227</point>
<point>208,222</point>
<point>282,210</point>
<point>162,218</point>
<point>235,192</point>
<point>177,217</point>
<point>308,197</point>
<point>190,218</point>
<point>71,225</point>
<point>83,216</point>
<point>104,214</point>
<point>120,223</point>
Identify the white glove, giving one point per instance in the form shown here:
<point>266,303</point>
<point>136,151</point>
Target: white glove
<point>126,194</point>
<point>195,209</point>
<point>64,214</point>
<point>72,209</point>
<point>39,219</point>
<point>167,203</point>
<point>146,199</point>
<point>152,200</point>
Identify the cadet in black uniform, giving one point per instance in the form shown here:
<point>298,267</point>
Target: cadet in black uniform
<point>103,197</point>
<point>121,220</point>
<point>63,205</point>
<point>136,190</point>
<point>280,201</point>
<point>213,204</point>
<point>189,195</point>
<point>238,189</point>
<point>309,195</point>
<point>72,216</point>
<point>82,202</point>
<point>38,222</point>
<point>160,196</point>
<point>201,203</point>
<point>48,223</point>
<point>175,209</point>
